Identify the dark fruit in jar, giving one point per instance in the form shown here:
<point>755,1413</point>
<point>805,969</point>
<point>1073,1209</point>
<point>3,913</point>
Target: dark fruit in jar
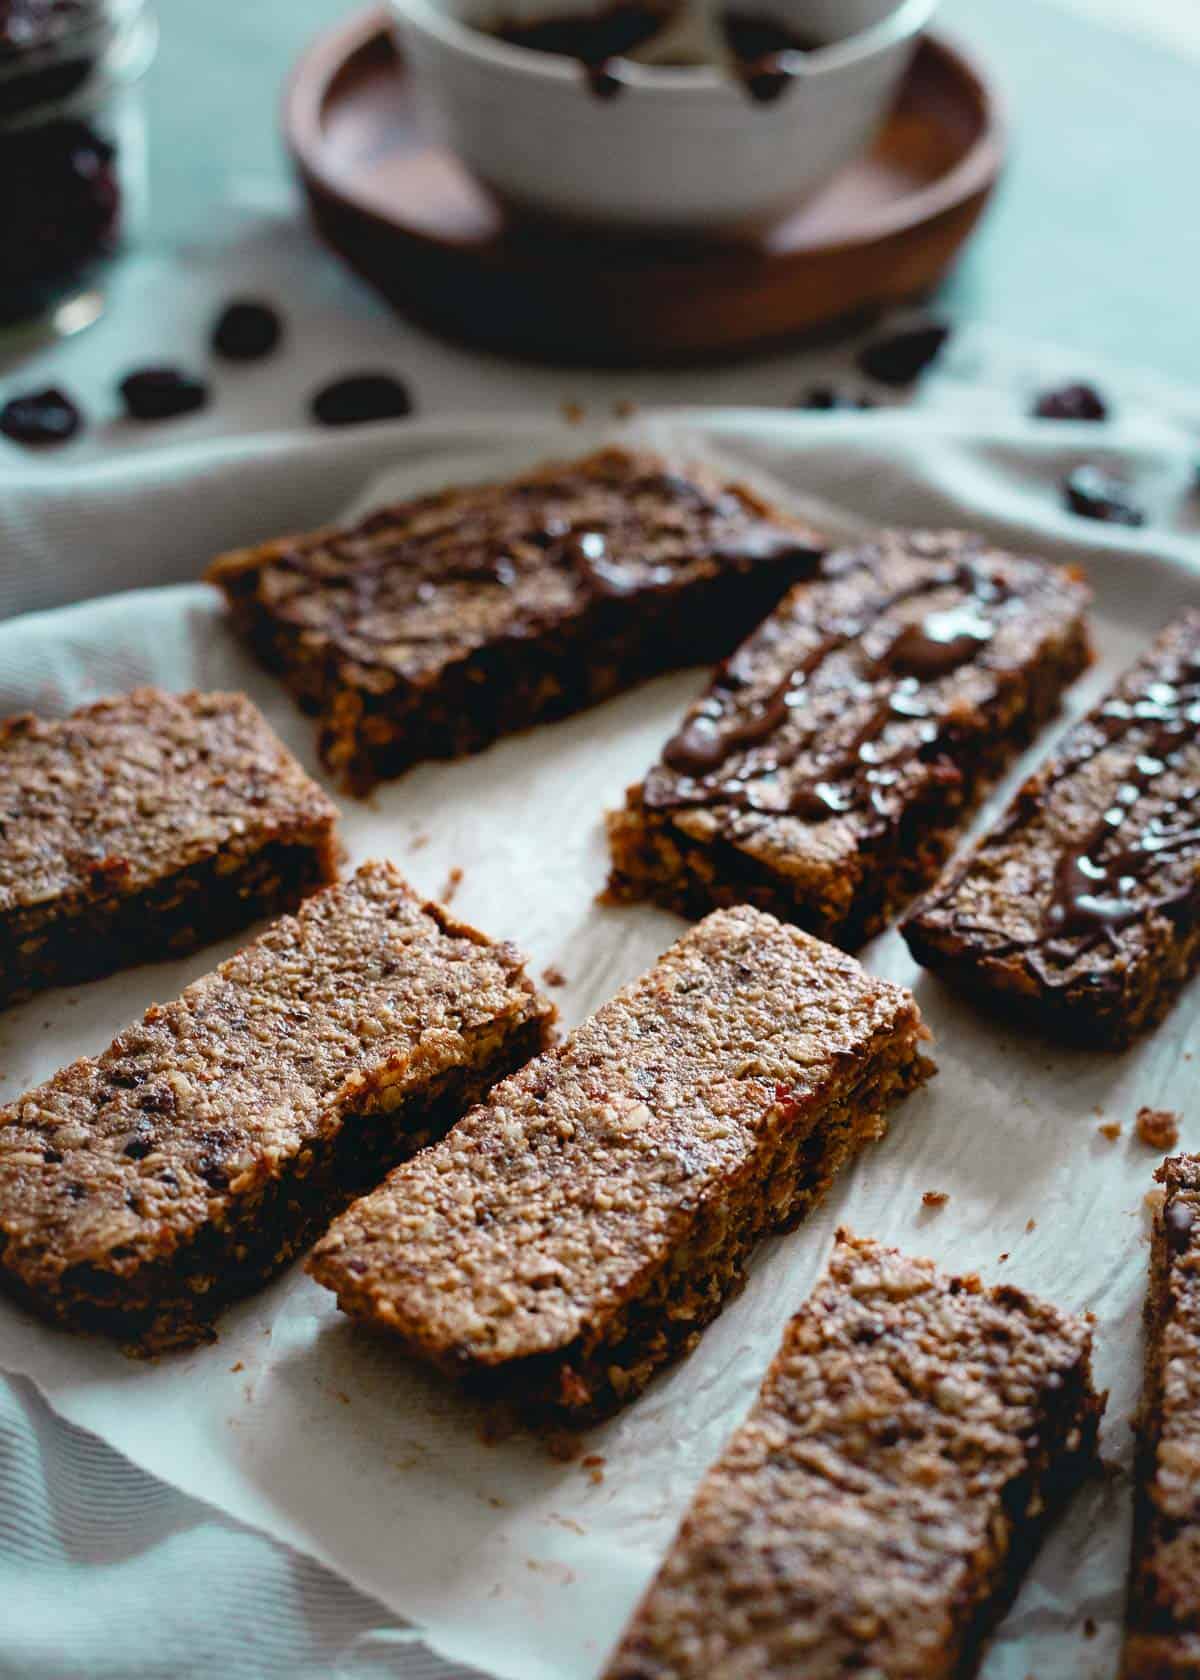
<point>60,212</point>
<point>33,73</point>
<point>898,357</point>
<point>40,417</point>
<point>162,393</point>
<point>1071,402</point>
<point>29,24</point>
<point>1095,494</point>
<point>360,397</point>
<point>246,330</point>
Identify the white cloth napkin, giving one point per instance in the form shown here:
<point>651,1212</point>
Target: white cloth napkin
<point>109,1573</point>
<point>103,1569</point>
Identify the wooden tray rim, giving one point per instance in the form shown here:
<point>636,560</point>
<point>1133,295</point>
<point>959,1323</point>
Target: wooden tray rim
<point>307,90</point>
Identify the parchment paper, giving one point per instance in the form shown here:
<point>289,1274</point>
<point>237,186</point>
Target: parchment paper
<point>505,1557</point>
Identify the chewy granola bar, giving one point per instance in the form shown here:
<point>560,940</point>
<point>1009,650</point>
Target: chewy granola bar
<point>828,767</point>
<point>144,826</point>
<point>1163,1617</point>
<point>585,1223</point>
<point>142,1190</point>
<point>914,1436</point>
<point>1080,910</point>
<point>435,626</point>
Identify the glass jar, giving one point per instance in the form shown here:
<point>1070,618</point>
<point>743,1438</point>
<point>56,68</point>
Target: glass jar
<point>72,152</point>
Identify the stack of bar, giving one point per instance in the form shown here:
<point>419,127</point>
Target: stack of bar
<point>142,1190</point>
<point>1163,1617</point>
<point>827,769</point>
<point>1080,911</point>
<point>144,826</point>
<point>584,1225</point>
<point>874,1515</point>
<point>434,627</point>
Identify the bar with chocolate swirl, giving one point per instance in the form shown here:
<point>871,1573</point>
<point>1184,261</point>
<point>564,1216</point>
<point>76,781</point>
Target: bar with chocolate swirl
<point>829,765</point>
<point>1080,910</point>
<point>434,627</point>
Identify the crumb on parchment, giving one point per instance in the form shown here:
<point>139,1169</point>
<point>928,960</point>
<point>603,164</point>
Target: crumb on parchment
<point>935,1198</point>
<point>1158,1128</point>
<point>1110,1130</point>
<point>452,883</point>
<point>553,975</point>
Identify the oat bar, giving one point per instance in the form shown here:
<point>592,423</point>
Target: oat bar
<point>585,1223</point>
<point>142,1190</point>
<point>144,826</point>
<point>914,1436</point>
<point>824,774</point>
<point>1163,1617</point>
<point>1080,910</point>
<point>436,626</point>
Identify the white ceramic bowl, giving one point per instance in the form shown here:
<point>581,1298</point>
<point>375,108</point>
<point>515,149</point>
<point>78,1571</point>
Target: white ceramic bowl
<point>676,150</point>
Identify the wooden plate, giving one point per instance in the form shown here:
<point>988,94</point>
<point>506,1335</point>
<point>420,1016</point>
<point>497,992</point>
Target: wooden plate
<point>407,217</point>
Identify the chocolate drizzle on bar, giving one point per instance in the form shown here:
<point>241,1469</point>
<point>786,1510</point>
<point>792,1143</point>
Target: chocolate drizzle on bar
<point>940,643</point>
<point>1140,857</point>
<point>1096,881</point>
<point>708,755</point>
<point>412,575</point>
